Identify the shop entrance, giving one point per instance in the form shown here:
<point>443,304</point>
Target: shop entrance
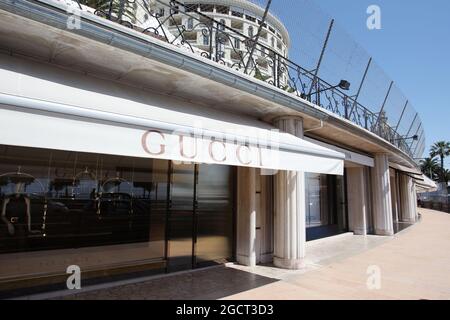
<point>180,233</point>
<point>200,216</point>
<point>326,210</point>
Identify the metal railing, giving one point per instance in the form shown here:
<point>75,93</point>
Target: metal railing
<point>196,31</point>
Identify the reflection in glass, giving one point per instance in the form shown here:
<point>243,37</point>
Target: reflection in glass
<point>341,203</point>
<point>325,207</point>
<point>181,210</point>
<point>105,211</point>
<point>214,214</point>
<point>67,200</point>
<point>314,200</point>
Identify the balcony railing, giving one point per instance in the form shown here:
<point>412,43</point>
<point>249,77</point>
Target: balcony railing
<point>165,20</point>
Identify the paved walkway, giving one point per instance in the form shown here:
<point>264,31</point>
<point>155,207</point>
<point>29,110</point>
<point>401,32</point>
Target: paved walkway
<point>414,264</point>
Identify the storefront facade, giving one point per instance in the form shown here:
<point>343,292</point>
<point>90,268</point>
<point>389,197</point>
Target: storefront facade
<point>127,216</point>
<point>105,212</point>
<point>132,164</point>
<point>138,193</point>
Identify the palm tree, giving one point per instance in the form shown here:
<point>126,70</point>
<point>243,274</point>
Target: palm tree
<point>430,167</point>
<point>446,176</point>
<point>441,149</point>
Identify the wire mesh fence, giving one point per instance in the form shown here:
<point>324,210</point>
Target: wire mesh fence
<point>344,58</point>
<point>296,47</point>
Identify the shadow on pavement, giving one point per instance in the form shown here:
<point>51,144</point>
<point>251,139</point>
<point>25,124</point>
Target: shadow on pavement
<point>214,283</point>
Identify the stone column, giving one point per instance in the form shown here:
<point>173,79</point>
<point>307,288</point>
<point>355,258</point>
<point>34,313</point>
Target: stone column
<point>395,199</point>
<point>416,212</point>
<point>290,208</point>
<point>246,216</point>
<point>407,196</point>
<point>382,202</point>
<point>358,206</point>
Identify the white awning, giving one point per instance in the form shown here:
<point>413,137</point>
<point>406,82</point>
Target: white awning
<point>350,156</point>
<point>410,171</point>
<point>42,124</point>
<point>425,184</point>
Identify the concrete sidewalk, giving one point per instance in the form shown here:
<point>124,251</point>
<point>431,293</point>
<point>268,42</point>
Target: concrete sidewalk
<point>414,264</point>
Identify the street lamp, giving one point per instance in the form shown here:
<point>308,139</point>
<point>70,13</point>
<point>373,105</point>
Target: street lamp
<point>343,84</point>
<point>414,137</point>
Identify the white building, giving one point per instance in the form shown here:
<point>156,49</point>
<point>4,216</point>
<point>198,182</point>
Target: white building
<point>241,16</point>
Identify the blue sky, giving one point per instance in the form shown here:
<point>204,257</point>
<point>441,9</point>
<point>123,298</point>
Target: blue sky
<point>413,48</point>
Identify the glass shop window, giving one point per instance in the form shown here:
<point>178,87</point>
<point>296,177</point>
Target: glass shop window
<point>106,209</point>
<point>325,201</point>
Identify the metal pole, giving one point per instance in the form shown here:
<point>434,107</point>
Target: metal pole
<point>121,9</point>
<point>252,50</point>
<point>316,72</point>
<point>384,103</point>
<point>110,9</point>
<point>360,87</point>
<point>418,140</point>
<point>277,59</point>
<point>416,148</point>
<point>401,117</point>
<point>412,123</point>
<point>363,79</point>
<point>418,129</point>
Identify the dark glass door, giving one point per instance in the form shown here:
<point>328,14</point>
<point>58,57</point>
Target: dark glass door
<point>341,203</point>
<point>213,215</point>
<point>200,216</point>
<point>181,218</point>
